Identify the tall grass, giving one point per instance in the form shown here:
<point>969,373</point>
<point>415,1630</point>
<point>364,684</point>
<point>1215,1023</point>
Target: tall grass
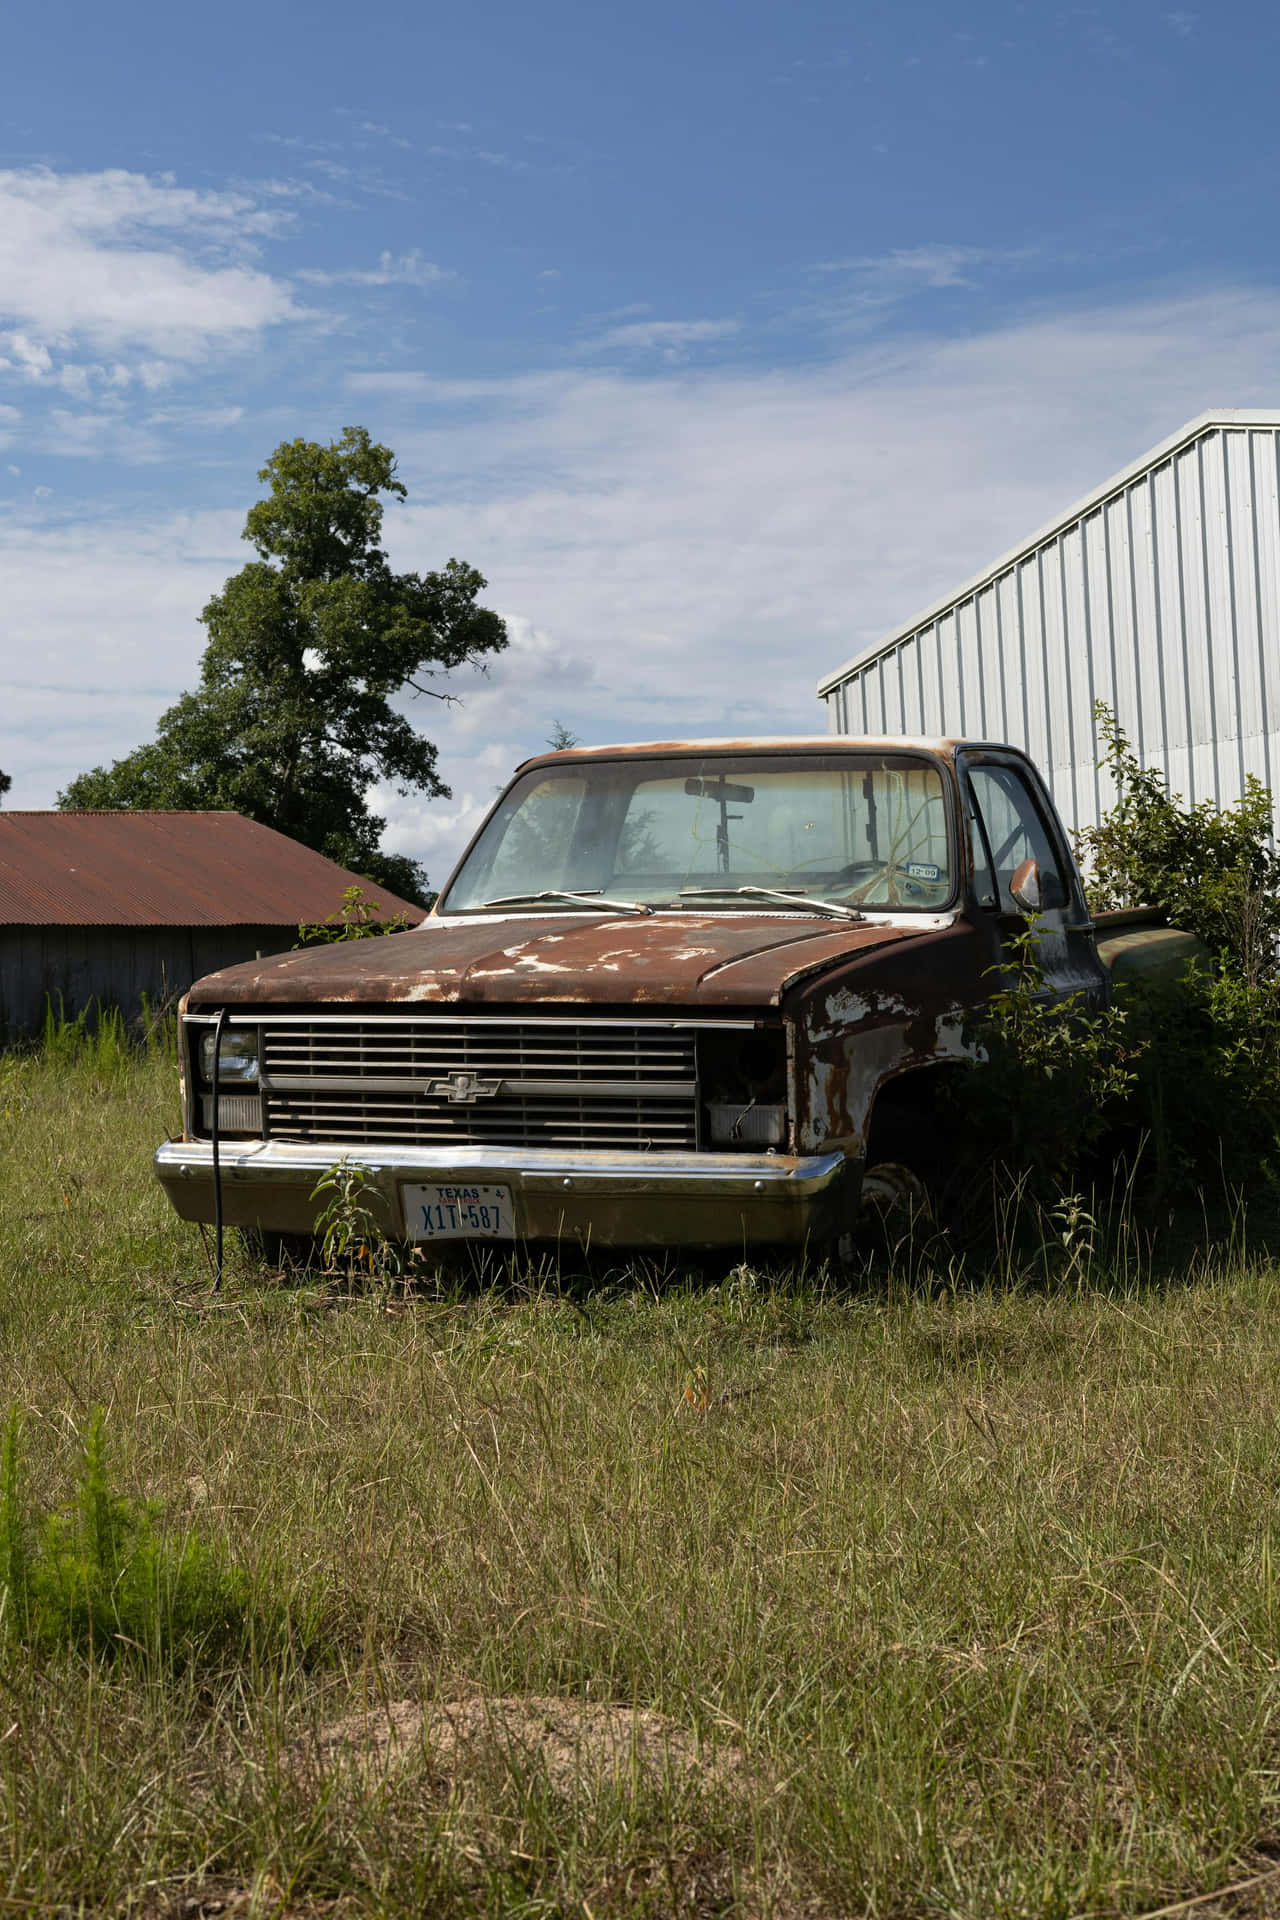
<point>99,1037</point>
<point>978,1577</point>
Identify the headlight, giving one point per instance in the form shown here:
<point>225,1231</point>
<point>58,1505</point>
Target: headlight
<point>743,1079</point>
<point>738,1124</point>
<point>237,1056</point>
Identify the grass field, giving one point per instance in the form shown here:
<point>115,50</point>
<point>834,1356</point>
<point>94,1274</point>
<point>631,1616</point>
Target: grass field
<point>934,1599</point>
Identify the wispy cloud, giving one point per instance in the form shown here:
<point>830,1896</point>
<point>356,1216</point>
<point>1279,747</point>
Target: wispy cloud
<point>405,270</point>
<point>360,179</point>
<point>376,128</point>
<point>671,338</point>
<point>861,291</point>
<point>214,419</point>
<point>930,266</point>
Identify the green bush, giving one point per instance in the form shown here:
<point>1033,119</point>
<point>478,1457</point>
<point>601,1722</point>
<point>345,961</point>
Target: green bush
<point>1053,1076</point>
<point>103,1577</point>
<point>1175,1087</point>
<point>1213,870</point>
<point>1205,1099</point>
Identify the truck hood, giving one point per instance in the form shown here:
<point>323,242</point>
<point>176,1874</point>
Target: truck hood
<point>669,959</point>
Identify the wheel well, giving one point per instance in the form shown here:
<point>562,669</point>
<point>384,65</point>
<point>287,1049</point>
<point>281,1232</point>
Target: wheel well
<point>913,1117</point>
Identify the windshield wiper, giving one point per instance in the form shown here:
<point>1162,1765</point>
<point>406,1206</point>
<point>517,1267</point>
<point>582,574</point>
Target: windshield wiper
<point>797,899</point>
<point>588,897</point>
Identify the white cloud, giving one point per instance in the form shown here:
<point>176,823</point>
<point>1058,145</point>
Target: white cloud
<point>214,419</point>
<point>435,831</point>
<point>681,552</point>
<point>669,337</point>
<point>119,263</point>
<point>24,356</point>
<point>709,543</point>
<point>100,633</point>
<point>408,270</point>
<point>382,132</point>
<point>931,266</point>
<point>862,291</point>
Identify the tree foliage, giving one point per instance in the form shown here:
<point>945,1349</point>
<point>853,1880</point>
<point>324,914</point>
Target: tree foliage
<point>6,781</point>
<point>292,722</point>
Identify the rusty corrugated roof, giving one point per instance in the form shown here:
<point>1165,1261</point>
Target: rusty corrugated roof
<point>161,869</point>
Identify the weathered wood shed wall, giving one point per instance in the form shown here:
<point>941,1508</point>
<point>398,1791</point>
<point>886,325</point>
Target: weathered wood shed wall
<point>115,908</point>
<point>67,967</point>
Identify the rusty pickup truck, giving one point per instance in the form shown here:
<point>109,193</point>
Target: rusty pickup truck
<point>694,994</point>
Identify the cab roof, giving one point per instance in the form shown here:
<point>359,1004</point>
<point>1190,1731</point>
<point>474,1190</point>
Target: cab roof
<point>755,743</point>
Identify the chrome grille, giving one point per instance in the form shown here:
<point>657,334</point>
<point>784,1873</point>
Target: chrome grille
<point>443,1082</point>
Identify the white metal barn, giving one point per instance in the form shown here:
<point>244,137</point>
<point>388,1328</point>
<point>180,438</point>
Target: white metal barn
<point>1158,594</point>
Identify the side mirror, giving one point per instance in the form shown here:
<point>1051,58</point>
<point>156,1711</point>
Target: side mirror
<point>1025,887</point>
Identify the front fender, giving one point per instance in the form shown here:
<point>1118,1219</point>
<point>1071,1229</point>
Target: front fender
<point>863,1025</point>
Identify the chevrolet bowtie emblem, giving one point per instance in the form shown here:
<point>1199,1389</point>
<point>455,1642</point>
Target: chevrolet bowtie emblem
<point>463,1088</point>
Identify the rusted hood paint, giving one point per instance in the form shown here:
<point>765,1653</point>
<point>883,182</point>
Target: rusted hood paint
<point>679,960</point>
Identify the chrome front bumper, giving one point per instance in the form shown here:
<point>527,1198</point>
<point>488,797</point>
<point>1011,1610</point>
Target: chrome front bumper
<point>596,1199</point>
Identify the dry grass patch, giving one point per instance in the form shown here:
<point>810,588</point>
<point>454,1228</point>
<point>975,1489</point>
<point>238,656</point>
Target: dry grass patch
<point>573,1742</point>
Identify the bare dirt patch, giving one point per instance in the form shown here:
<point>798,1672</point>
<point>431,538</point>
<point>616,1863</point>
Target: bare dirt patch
<point>573,1740</point>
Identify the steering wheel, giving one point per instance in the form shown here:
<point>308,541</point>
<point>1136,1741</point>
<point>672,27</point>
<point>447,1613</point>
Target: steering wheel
<point>881,872</point>
<point>900,887</point>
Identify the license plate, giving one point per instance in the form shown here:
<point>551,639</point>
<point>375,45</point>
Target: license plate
<point>449,1212</point>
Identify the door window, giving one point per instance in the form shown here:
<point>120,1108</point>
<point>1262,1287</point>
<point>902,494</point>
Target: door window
<point>1015,831</point>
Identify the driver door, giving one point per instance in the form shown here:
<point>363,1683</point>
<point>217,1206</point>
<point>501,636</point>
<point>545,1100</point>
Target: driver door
<point>1018,847</point>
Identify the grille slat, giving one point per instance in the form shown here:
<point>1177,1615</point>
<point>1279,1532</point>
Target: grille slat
<point>629,1087</point>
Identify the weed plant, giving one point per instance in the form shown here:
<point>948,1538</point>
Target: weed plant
<point>106,1579</point>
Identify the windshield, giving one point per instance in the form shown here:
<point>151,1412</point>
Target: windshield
<point>859,830</point>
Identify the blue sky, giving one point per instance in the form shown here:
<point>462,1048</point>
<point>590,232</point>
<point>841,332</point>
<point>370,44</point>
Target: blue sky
<point>721,338</point>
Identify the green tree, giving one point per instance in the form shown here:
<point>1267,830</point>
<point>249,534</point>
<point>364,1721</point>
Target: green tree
<point>6,781</point>
<point>309,644</point>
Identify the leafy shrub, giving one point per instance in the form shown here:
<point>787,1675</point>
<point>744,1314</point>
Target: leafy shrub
<point>1176,1083</point>
<point>357,918</point>
<point>1053,1076</point>
<point>103,1578</point>
<point>1205,1101</point>
<point>1213,870</point>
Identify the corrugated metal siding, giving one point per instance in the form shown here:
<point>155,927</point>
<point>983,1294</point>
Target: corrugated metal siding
<point>157,869</point>
<point>1159,596</point>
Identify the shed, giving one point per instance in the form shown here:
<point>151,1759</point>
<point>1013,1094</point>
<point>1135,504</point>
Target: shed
<point>1159,594</point>
<point>111,906</point>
